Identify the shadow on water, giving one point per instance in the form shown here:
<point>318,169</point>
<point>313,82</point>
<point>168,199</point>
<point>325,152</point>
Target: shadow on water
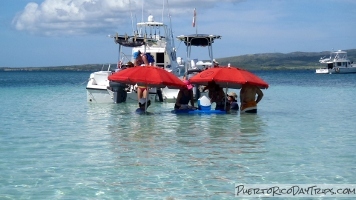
<point>252,132</point>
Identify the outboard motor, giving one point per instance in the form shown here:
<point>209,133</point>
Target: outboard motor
<point>120,93</point>
<point>159,94</point>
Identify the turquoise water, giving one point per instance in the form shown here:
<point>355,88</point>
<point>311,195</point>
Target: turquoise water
<point>54,145</point>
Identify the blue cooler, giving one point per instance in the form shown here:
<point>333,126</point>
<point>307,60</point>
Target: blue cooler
<point>204,103</point>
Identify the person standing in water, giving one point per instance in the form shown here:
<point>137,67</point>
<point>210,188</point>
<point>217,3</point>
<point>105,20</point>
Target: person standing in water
<point>185,96</point>
<point>248,98</point>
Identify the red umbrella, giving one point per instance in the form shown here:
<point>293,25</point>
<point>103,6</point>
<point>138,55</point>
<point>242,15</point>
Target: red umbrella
<point>147,75</point>
<point>228,77</point>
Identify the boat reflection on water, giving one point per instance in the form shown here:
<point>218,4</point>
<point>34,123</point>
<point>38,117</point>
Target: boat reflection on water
<point>252,133</point>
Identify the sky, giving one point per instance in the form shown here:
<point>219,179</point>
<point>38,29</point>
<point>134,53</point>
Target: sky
<point>42,33</point>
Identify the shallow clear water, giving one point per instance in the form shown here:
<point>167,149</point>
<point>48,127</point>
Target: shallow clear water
<point>54,145</point>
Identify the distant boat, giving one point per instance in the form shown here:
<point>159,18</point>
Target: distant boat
<point>337,63</point>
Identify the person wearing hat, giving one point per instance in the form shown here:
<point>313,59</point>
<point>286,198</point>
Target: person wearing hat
<point>142,105</point>
<point>184,96</point>
<point>232,98</point>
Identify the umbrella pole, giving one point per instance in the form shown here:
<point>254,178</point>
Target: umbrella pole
<point>225,98</point>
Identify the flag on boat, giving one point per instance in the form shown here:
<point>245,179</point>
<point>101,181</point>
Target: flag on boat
<point>194,17</point>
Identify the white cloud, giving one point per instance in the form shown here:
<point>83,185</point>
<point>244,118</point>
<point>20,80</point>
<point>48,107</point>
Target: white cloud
<point>57,17</point>
<point>27,17</point>
<point>79,17</point>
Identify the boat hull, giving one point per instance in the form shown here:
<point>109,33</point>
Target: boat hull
<point>99,95</point>
<point>101,90</point>
<point>108,96</point>
<point>322,71</point>
<point>339,70</point>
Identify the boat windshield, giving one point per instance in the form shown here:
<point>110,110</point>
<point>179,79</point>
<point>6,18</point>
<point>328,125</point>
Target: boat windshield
<point>339,55</point>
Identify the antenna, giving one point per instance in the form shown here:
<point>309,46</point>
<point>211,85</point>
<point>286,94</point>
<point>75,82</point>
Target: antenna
<point>163,10</point>
<point>133,30</point>
<point>142,10</point>
<point>137,32</point>
<point>194,21</point>
<point>170,24</point>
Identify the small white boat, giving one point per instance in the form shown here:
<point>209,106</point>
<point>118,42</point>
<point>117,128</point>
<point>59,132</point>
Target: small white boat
<point>337,63</point>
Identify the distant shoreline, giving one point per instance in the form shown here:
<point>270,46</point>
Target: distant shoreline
<point>265,61</point>
<point>89,68</point>
<point>92,69</point>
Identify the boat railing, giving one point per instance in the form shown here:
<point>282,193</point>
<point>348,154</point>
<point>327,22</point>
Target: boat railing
<point>124,58</point>
<point>102,68</point>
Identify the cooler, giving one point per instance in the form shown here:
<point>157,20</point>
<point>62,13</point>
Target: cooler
<point>204,103</point>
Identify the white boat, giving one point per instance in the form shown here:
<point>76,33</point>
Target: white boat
<point>337,63</point>
<point>151,37</point>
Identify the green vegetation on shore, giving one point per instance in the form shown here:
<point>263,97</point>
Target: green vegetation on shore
<point>87,67</point>
<point>264,61</point>
<point>272,61</point>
